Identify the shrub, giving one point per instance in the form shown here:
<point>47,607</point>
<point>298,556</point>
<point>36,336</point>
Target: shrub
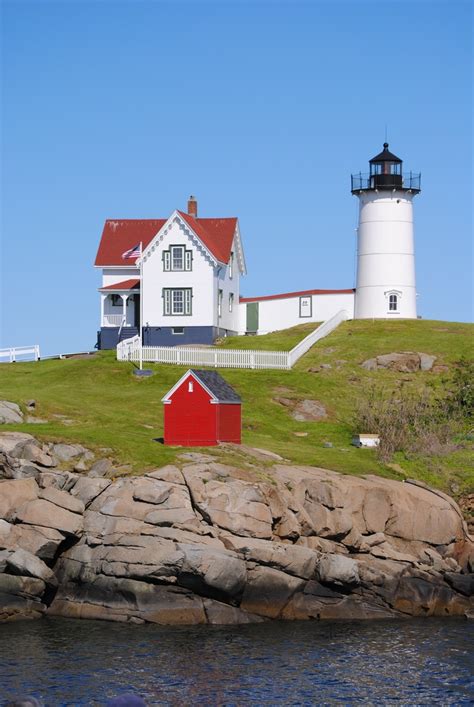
<point>461,389</point>
<point>405,421</point>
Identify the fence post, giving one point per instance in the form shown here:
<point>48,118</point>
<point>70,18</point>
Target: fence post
<point>252,360</point>
<point>215,359</point>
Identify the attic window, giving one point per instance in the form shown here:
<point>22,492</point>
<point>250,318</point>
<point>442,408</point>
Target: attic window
<point>177,258</point>
<point>190,387</point>
<point>231,266</point>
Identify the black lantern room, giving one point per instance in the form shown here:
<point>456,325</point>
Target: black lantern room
<point>385,174</point>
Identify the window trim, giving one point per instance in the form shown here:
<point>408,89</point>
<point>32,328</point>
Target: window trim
<point>220,296</point>
<point>388,296</point>
<point>187,258</point>
<point>231,301</point>
<point>306,316</point>
<point>167,295</point>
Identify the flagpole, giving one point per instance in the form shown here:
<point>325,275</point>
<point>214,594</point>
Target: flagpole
<point>141,307</point>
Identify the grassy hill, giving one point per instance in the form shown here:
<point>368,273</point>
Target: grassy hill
<point>97,401</point>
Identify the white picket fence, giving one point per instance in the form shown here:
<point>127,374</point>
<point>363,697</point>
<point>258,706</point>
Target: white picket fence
<point>129,350</point>
<point>20,353</point>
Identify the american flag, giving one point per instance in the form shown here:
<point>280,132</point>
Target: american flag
<point>134,252</point>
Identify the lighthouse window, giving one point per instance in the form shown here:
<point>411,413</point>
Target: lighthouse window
<point>393,303</point>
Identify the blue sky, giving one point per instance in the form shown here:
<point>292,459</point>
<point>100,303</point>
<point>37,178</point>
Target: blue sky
<point>262,109</point>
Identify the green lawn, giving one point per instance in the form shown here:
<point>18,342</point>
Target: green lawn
<point>108,407</point>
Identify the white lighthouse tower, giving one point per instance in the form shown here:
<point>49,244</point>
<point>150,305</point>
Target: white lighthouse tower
<point>385,286</point>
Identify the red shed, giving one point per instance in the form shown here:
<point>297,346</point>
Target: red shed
<point>202,409</point>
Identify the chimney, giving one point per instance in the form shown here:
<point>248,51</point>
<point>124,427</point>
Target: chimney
<point>192,206</point>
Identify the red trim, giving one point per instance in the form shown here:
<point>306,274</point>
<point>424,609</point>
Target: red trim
<point>125,285</point>
<point>286,295</point>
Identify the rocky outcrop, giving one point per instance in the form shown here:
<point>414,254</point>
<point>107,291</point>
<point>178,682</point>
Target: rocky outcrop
<point>203,542</point>
<point>404,362</point>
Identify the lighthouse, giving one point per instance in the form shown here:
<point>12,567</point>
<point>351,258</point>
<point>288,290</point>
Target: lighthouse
<point>385,284</point>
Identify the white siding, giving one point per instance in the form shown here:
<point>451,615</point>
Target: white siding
<point>228,320</point>
<point>200,279</point>
<point>111,276</point>
<point>284,313</point>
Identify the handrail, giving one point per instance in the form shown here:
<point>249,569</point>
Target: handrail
<point>323,330</point>
<point>14,351</point>
<point>124,319</point>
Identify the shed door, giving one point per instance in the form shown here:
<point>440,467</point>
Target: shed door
<point>252,317</point>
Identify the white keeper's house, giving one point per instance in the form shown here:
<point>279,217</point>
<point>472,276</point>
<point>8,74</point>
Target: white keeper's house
<point>180,277</point>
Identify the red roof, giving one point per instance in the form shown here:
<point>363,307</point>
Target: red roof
<point>297,294</point>
<point>125,285</point>
<point>118,236</point>
<point>217,234</point>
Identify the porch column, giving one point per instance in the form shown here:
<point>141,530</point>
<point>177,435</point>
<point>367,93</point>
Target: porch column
<point>124,308</point>
<point>102,309</point>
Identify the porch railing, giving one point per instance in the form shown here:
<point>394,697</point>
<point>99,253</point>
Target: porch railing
<point>113,320</point>
<point>20,353</point>
<point>129,350</point>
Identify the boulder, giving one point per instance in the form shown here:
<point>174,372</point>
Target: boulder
<point>10,440</point>
<point>151,491</point>
<point>102,467</point>
<point>267,591</point>
<point>66,452</point>
<point>26,586</point>
<point>32,452</point>
<point>338,570</point>
<point>404,362</point>
<point>212,572</point>
<point>46,514</point>
<point>63,480</point>
<point>294,560</point>
<point>14,494</point>
<point>87,489</point>
<point>168,473</point>
<point>309,410</point>
<point>62,499</point>
<point>235,505</point>
<point>42,542</point>
<point>24,563</point>
<point>10,413</point>
<point>426,361</point>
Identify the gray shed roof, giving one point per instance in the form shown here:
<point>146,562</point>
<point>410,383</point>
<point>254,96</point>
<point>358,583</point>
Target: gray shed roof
<point>217,386</point>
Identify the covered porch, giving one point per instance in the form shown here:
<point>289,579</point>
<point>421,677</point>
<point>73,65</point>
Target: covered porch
<point>120,305</point>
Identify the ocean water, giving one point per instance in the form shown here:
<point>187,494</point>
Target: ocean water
<point>412,662</point>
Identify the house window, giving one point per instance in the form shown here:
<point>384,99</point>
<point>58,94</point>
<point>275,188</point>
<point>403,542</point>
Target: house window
<point>219,303</point>
<point>393,303</point>
<point>177,330</point>
<point>177,258</point>
<point>231,266</point>
<point>177,301</point>
<point>116,300</point>
<point>231,301</point>
<point>190,387</point>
